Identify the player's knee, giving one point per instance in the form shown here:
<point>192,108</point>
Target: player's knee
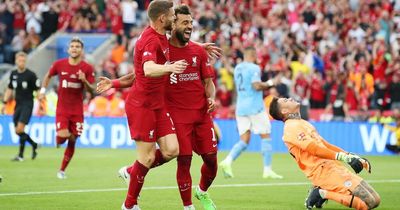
<point>19,131</point>
<point>171,153</point>
<point>210,160</point>
<point>147,160</point>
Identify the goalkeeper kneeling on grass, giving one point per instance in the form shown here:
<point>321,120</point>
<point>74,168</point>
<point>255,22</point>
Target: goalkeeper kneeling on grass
<point>321,162</point>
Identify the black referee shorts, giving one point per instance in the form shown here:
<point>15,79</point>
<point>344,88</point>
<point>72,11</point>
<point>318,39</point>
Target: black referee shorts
<point>22,114</point>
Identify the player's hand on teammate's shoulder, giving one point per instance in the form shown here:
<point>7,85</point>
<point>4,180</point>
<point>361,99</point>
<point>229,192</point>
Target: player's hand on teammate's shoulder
<point>211,105</point>
<point>103,85</point>
<point>178,66</point>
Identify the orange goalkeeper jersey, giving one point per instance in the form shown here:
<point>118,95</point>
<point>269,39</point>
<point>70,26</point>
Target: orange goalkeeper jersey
<point>297,135</point>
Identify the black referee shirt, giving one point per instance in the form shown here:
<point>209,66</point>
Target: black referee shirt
<point>24,84</point>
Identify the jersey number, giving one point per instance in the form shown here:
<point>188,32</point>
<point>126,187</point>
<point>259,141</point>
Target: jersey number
<point>79,128</point>
<point>240,87</point>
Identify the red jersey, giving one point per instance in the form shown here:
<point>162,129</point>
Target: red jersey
<point>186,90</point>
<point>149,91</point>
<point>70,88</point>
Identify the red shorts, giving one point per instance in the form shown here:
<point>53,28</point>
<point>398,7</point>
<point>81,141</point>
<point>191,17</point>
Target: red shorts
<point>195,131</point>
<point>149,125</point>
<point>72,122</point>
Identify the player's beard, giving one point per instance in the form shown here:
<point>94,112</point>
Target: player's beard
<point>168,26</point>
<point>181,37</point>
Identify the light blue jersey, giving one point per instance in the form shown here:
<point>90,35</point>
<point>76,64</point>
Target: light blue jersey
<point>249,100</point>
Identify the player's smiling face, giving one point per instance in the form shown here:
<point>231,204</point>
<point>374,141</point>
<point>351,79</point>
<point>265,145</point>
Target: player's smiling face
<point>75,50</point>
<point>183,27</point>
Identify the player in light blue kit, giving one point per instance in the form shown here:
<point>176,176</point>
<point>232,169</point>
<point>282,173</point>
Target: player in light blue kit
<point>250,114</point>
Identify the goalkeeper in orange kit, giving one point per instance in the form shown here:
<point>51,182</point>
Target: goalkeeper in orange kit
<point>320,161</point>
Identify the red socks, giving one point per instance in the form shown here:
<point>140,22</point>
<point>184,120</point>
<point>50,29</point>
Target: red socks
<point>184,179</point>
<point>69,152</point>
<point>208,171</point>
<point>137,172</point>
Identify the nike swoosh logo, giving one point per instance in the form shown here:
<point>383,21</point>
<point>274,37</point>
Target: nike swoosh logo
<point>184,189</point>
<point>214,145</point>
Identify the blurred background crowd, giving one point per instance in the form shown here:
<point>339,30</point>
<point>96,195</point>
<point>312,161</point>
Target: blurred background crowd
<point>340,58</point>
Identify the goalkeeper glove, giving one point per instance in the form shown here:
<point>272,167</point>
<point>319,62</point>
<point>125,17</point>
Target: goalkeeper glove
<point>357,163</point>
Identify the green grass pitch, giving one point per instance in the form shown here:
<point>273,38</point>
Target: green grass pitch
<point>93,183</point>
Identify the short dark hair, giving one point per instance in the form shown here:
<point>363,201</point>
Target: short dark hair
<point>182,9</point>
<point>76,39</point>
<point>158,8</point>
<point>274,109</point>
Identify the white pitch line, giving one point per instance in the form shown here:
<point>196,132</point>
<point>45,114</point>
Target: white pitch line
<point>174,187</point>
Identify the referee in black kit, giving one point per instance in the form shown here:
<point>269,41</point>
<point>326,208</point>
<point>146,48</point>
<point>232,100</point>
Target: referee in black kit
<point>24,82</point>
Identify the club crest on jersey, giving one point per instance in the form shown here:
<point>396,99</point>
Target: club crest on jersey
<point>301,136</point>
<point>194,61</point>
<point>151,134</point>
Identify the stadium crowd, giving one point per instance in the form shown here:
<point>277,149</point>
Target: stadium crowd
<point>341,57</point>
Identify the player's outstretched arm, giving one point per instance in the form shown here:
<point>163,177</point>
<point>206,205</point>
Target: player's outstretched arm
<point>123,82</point>
<point>262,85</point>
<point>45,83</point>
<point>151,69</point>
<point>356,162</point>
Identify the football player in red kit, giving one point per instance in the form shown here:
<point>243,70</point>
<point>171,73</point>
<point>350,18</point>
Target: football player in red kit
<point>190,99</point>
<point>74,75</point>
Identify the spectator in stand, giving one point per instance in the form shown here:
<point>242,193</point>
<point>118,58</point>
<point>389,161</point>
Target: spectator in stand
<point>317,93</point>
<point>32,40</point>
<point>50,20</point>
<point>33,19</point>
<point>128,9</point>
<point>301,93</point>
<point>99,106</point>
<point>18,43</point>
<point>362,78</point>
<point>64,16</point>
<point>224,96</point>
<point>378,117</point>
<point>396,129</point>
<point>117,105</point>
<point>394,88</point>
<point>19,16</point>
<point>7,18</point>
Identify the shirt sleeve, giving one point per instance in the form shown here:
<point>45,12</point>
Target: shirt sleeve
<point>35,81</point>
<point>10,81</point>
<point>206,70</point>
<point>256,74</point>
<point>296,135</point>
<point>53,69</point>
<point>90,74</point>
<point>150,51</point>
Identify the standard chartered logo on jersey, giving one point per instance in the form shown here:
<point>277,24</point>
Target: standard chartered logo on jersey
<point>377,136</point>
<point>174,78</point>
<point>66,84</point>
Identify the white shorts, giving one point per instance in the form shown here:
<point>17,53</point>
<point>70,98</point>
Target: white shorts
<point>257,123</point>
